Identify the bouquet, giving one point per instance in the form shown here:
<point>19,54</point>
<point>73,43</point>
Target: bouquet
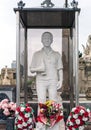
<point>78,118</point>
<point>7,108</point>
<point>24,118</point>
<point>50,113</point>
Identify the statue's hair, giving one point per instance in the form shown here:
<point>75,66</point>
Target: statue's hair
<point>51,36</point>
<point>48,33</point>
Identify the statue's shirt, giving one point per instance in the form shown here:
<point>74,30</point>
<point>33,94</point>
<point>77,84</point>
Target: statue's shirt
<point>46,65</point>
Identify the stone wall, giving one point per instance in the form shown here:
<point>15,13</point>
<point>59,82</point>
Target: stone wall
<point>85,77</point>
<point>11,75</point>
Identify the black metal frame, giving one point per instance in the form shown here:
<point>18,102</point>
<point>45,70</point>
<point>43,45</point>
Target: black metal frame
<point>63,18</point>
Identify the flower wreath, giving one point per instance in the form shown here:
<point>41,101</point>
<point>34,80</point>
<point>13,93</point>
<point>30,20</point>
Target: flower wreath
<point>24,117</point>
<point>78,118</point>
<point>50,113</point>
<point>7,108</point>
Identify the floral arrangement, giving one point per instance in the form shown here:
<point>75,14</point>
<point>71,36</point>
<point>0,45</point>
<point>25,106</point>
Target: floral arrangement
<point>50,113</point>
<point>24,118</point>
<point>7,108</point>
<point>78,118</point>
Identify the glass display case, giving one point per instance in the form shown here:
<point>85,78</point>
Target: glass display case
<point>63,23</point>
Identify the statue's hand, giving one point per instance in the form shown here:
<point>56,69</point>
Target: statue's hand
<point>59,84</point>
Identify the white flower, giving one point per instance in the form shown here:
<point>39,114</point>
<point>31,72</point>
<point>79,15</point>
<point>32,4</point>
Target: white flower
<point>84,118</point>
<point>29,121</point>
<point>19,117</point>
<point>22,109</point>
<point>16,112</point>
<point>77,121</point>
<point>27,115</point>
<point>75,116</point>
<point>73,109</point>
<point>71,123</point>
<point>69,117</point>
<point>24,124</point>
<point>61,114</point>
<point>40,125</point>
<point>73,129</point>
<point>82,111</point>
<point>68,129</point>
<point>30,127</point>
<point>88,110</point>
<point>19,126</point>
<point>81,127</point>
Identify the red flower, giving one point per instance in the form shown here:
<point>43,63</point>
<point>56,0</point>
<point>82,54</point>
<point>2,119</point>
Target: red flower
<point>59,118</point>
<point>52,116</point>
<point>72,120</point>
<point>86,114</point>
<point>71,114</point>
<point>43,106</point>
<point>27,105</point>
<point>21,114</point>
<point>76,111</point>
<point>28,109</point>
<point>80,117</point>
<point>81,122</point>
<point>19,122</point>
<point>18,109</point>
<point>19,129</point>
<point>70,127</point>
<point>75,126</point>
<point>25,119</point>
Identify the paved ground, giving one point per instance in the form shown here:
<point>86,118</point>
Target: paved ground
<point>3,127</point>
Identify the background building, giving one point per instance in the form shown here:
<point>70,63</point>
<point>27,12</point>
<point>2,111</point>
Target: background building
<point>11,72</point>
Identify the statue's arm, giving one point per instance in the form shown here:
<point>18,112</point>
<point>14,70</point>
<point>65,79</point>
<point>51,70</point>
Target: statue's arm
<point>36,69</point>
<point>37,64</point>
<point>60,81</point>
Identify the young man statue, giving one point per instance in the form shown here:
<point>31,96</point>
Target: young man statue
<point>47,64</point>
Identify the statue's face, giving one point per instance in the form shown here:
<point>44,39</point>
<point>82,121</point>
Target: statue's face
<point>89,39</point>
<point>47,39</point>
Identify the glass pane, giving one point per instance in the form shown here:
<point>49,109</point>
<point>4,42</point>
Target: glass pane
<point>22,42</point>
<point>35,44</point>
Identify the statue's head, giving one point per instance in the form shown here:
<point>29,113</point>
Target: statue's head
<point>47,39</point>
<point>89,39</point>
